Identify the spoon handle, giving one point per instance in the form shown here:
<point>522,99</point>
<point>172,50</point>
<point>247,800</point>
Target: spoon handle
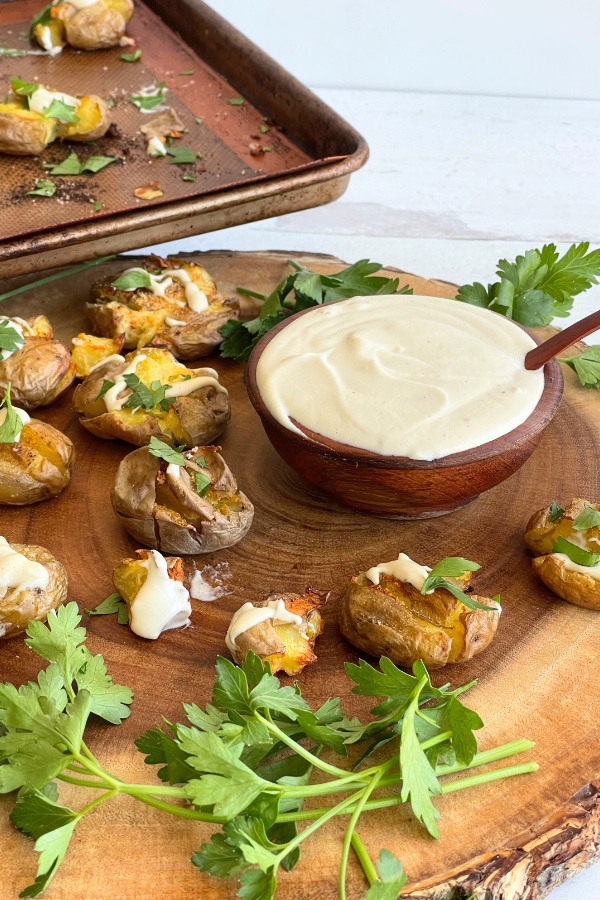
<point>544,352</point>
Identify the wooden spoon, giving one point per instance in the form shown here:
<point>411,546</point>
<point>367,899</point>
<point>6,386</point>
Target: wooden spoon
<point>544,352</point>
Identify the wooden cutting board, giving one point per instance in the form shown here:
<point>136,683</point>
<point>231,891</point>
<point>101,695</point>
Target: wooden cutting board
<point>515,839</point>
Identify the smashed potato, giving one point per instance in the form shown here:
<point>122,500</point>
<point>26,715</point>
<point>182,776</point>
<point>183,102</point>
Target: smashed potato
<point>178,405</point>
<point>29,587</point>
<point>92,27</point>
<point>194,507</point>
<point>35,466</point>
<point>31,117</point>
<point>39,368</point>
<point>282,630</point>
<point>179,307</point>
<point>156,590</point>
<point>394,619</point>
<point>578,529</point>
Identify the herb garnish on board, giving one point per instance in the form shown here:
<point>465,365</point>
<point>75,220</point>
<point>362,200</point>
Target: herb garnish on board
<point>243,763</point>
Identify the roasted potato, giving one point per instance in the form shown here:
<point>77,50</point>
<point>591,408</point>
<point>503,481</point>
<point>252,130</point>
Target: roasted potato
<point>89,351</point>
<point>161,507</point>
<point>24,132</point>
<point>394,619</point>
<point>196,417</point>
<point>94,27</point>
<point>46,587</point>
<point>25,129</point>
<point>148,318</point>
<point>283,635</point>
<point>542,532</point>
<point>40,368</point>
<point>156,592</point>
<point>576,583</point>
<point>36,466</point>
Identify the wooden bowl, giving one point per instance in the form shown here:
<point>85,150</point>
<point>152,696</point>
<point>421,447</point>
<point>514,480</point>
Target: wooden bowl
<point>397,487</point>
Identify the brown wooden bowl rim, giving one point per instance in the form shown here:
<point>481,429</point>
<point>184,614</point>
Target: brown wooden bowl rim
<point>540,417</point>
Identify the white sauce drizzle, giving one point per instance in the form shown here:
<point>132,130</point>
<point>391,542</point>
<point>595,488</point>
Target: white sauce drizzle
<point>247,616</point>
<point>592,571</point>
<point>152,90</point>
<point>113,356</point>
<point>156,147</point>
<point>46,42</point>
<point>16,571</point>
<point>173,471</point>
<point>81,4</point>
<point>403,569</point>
<point>27,329</point>
<point>161,603</point>
<point>42,98</point>
<point>583,539</point>
<point>114,401</point>
<point>17,324</point>
<point>421,377</point>
<point>196,299</point>
<point>172,323</point>
<point>24,417</point>
<point>207,584</point>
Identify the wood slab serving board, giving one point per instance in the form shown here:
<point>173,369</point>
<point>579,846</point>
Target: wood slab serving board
<point>507,841</point>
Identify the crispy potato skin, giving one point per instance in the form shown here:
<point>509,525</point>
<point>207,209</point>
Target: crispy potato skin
<point>166,523</point>
<point>541,532</point>
<point>284,646</point>
<point>24,133</point>
<point>199,418</point>
<point>394,619</point>
<point>38,371</point>
<point>574,587</point>
<point>140,315</point>
<point>37,467</point>
<point>18,607</point>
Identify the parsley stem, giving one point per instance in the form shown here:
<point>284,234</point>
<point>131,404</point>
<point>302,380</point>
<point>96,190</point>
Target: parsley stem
<point>448,788</point>
<point>494,754</point>
<point>338,810</point>
<point>181,811</point>
<point>356,813</point>
<point>57,275</point>
<point>83,782</point>
<point>300,750</point>
<point>364,859</point>
<point>95,802</point>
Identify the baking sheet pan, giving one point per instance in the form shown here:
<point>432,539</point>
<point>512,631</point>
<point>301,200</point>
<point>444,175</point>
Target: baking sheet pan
<point>245,172</point>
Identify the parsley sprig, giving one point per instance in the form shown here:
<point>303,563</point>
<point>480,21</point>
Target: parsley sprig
<point>143,397</point>
<point>454,567</point>
<point>10,339</point>
<point>538,286</point>
<point>586,365</point>
<point>308,289</point>
<point>243,763</point>
<point>12,426</point>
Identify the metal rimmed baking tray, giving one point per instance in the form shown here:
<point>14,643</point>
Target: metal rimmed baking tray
<point>305,157</point>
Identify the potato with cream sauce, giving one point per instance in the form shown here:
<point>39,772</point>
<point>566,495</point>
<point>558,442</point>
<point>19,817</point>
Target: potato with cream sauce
<point>180,502</point>
<point>84,24</point>
<point>165,303</point>
<point>568,543</point>
<point>149,394</point>
<point>32,582</point>
<point>384,612</point>
<point>281,630</point>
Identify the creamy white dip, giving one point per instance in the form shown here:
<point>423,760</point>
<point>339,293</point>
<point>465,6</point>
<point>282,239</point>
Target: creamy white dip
<point>421,377</point>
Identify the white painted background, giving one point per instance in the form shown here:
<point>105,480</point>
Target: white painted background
<point>456,179</point>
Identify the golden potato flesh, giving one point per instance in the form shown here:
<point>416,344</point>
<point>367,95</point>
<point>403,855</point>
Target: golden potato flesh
<point>542,533</point>
<point>37,466</point>
<point>24,132</point>
<point>578,587</point>
<point>198,417</point>
<point>39,370</point>
<point>287,647</point>
<point>394,619</point>
<point>18,606</point>
<point>162,509</point>
<point>89,351</point>
<point>147,319</point>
